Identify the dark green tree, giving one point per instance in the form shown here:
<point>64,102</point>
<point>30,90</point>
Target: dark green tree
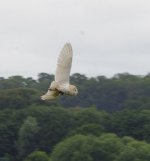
<point>37,156</point>
<point>133,123</point>
<point>54,122</point>
<point>27,137</point>
<point>89,129</point>
<point>88,148</point>
<point>18,98</point>
<point>135,151</point>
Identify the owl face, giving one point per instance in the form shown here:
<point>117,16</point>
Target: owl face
<point>73,90</point>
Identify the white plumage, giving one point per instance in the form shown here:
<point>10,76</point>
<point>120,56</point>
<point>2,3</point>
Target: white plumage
<point>64,63</point>
<point>61,84</point>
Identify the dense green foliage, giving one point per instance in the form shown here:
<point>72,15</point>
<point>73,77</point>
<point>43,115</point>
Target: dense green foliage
<point>107,147</point>
<point>110,94</point>
<point>37,156</point>
<point>109,120</point>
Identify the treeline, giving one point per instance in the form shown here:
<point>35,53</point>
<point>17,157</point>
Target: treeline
<point>109,94</point>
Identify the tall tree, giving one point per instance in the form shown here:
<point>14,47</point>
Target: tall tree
<point>37,156</point>
<point>27,137</point>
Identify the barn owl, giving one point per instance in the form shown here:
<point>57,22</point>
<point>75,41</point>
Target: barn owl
<point>61,83</point>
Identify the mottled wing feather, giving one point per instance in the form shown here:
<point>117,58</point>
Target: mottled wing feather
<point>64,63</point>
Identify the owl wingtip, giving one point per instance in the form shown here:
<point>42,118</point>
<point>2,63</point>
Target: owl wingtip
<point>68,43</point>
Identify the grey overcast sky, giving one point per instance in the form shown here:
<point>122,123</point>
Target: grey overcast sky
<point>107,36</point>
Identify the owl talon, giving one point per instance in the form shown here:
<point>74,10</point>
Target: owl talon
<point>60,92</point>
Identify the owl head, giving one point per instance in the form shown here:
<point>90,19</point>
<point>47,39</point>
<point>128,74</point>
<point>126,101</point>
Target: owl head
<point>73,90</point>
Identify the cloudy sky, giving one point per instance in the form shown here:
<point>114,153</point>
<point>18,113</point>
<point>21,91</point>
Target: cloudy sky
<point>108,36</point>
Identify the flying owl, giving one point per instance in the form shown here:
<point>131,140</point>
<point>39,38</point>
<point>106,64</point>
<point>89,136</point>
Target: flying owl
<point>61,83</point>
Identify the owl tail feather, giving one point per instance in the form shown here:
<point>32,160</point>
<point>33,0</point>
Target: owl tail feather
<point>50,95</point>
<point>45,97</point>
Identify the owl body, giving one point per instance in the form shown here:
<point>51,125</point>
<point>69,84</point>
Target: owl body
<point>64,88</point>
<point>61,87</point>
<point>61,84</point>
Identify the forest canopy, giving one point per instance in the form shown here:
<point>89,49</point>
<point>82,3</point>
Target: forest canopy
<point>109,94</point>
<point>108,120</point>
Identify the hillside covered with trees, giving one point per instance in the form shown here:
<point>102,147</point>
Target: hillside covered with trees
<point>109,94</point>
<point>108,120</point>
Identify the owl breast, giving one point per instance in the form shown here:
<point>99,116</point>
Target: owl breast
<point>64,88</point>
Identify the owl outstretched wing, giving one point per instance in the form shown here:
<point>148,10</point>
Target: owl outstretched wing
<point>64,63</point>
